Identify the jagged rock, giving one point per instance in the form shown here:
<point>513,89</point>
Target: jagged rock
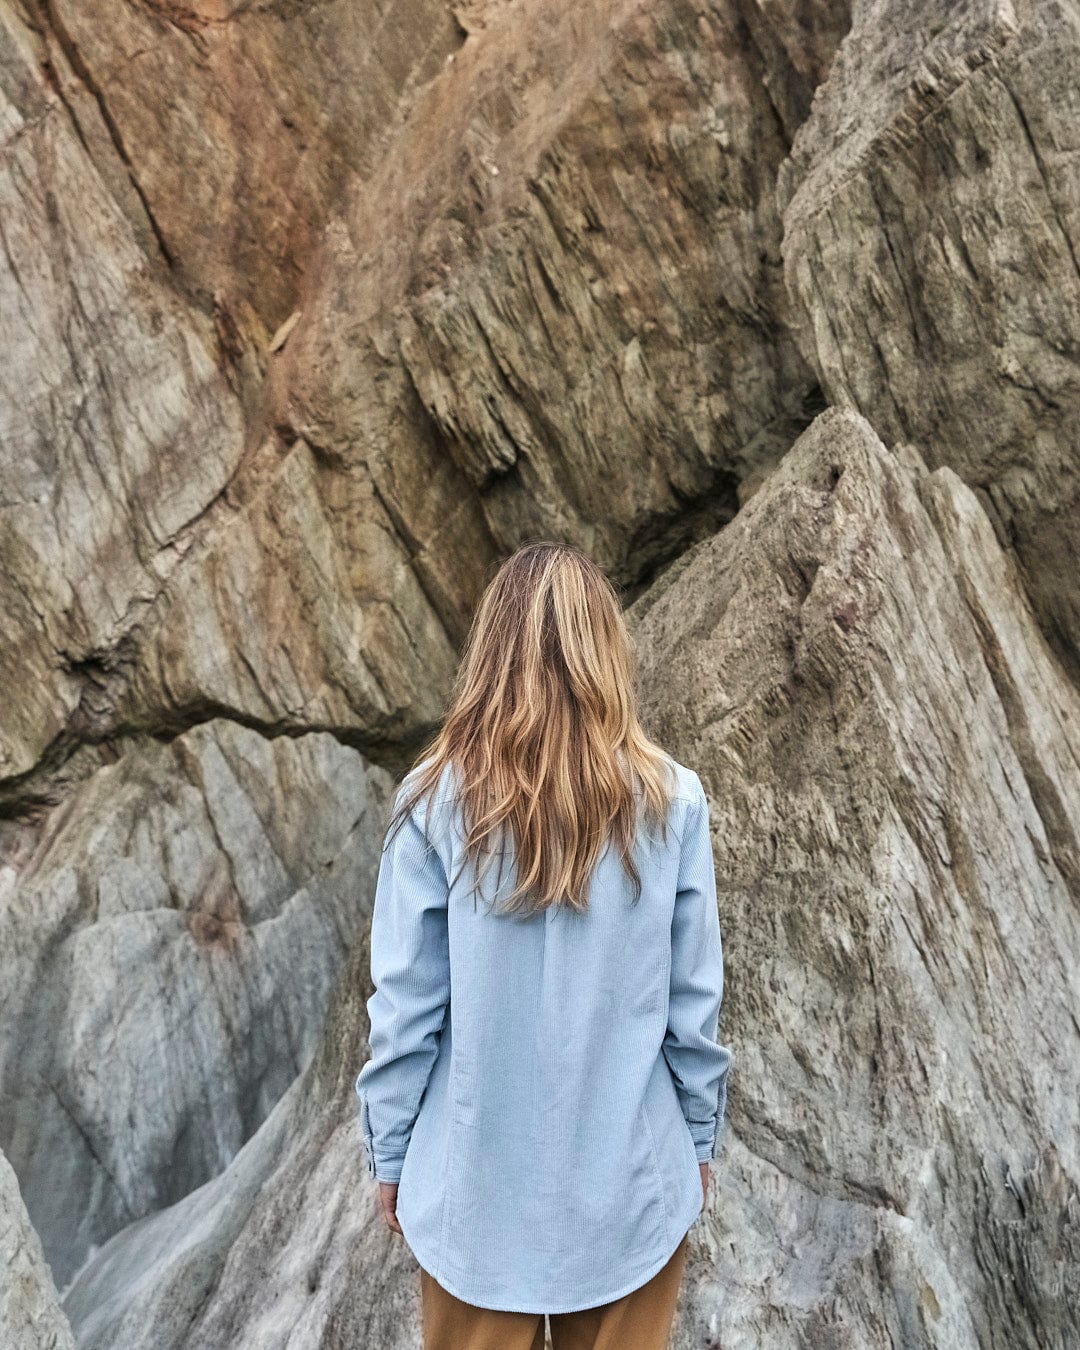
<point>585,272</point>
<point>168,942</point>
<point>569,286</point>
<point>163,557</point>
<point>565,272</point>
<point>931,238</point>
<point>892,754</point>
<point>893,758</point>
<point>280,1247</point>
<point>587,343</point>
<point>502,323</point>
<point>30,1315</point>
<point>107,384</point>
<point>302,609</point>
<point>251,117</point>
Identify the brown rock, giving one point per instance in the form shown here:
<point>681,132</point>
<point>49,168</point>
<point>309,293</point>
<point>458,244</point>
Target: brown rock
<point>932,230</point>
<point>615,329</point>
<point>238,124</point>
<point>300,608</point>
<point>162,560</point>
<point>568,263</point>
<point>109,386</point>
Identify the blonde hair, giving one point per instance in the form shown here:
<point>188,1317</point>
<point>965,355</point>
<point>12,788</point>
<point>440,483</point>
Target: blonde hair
<point>543,732</point>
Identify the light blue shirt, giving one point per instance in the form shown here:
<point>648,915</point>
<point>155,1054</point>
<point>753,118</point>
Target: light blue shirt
<point>543,1089</point>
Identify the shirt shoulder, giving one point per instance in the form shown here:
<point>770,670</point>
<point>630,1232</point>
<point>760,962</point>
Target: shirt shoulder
<point>433,811</point>
<point>688,786</point>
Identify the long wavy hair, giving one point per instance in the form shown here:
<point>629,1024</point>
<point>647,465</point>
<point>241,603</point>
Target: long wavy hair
<point>543,734</point>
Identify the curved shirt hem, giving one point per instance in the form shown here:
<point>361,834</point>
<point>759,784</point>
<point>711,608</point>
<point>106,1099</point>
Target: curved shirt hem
<point>635,1283</point>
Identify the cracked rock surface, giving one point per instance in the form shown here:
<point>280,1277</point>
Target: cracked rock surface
<point>314,311</point>
<point>30,1315</point>
<point>931,244</point>
<point>903,952</point>
<point>252,476</point>
<point>892,755</point>
<point>168,942</point>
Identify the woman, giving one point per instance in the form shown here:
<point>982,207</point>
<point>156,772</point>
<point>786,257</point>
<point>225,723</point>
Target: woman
<point>545,1089</point>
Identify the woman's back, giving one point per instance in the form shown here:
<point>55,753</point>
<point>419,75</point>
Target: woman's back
<point>544,1087</point>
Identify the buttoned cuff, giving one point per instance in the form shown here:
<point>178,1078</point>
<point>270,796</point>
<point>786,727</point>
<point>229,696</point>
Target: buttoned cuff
<point>389,1170</point>
<point>382,1169</point>
<point>385,1169</point>
<point>708,1136</point>
<point>706,1149</point>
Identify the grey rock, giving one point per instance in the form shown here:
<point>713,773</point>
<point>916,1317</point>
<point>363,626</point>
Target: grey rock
<point>30,1315</point>
<point>168,942</point>
<point>892,754</point>
<point>286,1247</point>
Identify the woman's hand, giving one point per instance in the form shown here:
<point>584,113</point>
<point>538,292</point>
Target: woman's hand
<point>704,1183</point>
<point>388,1205</point>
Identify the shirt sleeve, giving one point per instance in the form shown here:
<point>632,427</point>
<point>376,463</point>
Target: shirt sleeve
<point>410,969</point>
<point>698,1063</point>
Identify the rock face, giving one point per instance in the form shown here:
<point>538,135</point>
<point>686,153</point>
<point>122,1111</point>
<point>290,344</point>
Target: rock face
<point>282,1248</point>
<point>312,312</point>
<point>30,1316</point>
<point>253,475</point>
<point>424,326</point>
<point>931,239</point>
<point>893,760</point>
<point>172,556</point>
<point>93,520</point>
<point>891,756</point>
<point>574,279</point>
<point>168,942</point>
<point>250,116</point>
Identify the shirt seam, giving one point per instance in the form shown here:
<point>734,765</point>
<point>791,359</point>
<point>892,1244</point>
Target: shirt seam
<point>448,1172</point>
<point>656,1169</point>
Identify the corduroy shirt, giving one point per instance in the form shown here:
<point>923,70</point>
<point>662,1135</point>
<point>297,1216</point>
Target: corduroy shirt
<point>543,1089</point>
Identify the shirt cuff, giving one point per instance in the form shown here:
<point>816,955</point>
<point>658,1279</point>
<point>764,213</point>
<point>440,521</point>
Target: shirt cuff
<point>382,1169</point>
<point>389,1171</point>
<point>709,1136</point>
<point>710,1148</point>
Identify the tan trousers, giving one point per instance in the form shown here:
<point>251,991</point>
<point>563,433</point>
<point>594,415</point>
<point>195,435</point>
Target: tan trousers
<point>640,1320</point>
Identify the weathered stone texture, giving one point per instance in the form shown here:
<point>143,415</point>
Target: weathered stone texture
<point>313,311</point>
<point>168,941</point>
<point>237,124</point>
<point>931,238</point>
<point>552,270</point>
<point>568,263</point>
<point>30,1315</point>
<point>893,759</point>
<point>165,555</point>
<point>107,387</point>
<point>891,756</point>
<point>297,610</point>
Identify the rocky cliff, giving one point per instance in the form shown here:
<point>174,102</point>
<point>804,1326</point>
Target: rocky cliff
<point>314,311</point>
